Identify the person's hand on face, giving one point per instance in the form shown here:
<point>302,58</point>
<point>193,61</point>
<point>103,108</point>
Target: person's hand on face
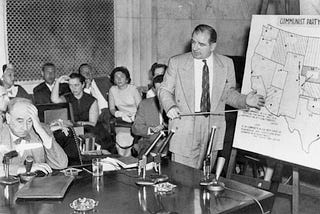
<point>63,79</point>
<point>88,82</point>
<point>32,112</point>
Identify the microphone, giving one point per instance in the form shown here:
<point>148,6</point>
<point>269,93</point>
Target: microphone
<point>28,163</point>
<point>154,143</point>
<point>215,185</point>
<point>172,131</point>
<point>7,179</point>
<point>27,176</point>
<point>207,160</point>
<point>143,162</point>
<point>8,156</point>
<point>157,159</point>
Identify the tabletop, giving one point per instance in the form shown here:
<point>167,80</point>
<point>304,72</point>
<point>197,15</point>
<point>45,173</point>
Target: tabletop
<point>117,192</point>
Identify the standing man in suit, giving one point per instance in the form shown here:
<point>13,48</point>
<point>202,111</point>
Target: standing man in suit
<point>42,92</point>
<point>149,120</point>
<point>200,81</point>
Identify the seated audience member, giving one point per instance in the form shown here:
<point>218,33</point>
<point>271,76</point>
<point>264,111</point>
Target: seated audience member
<point>98,88</point>
<point>84,106</point>
<point>24,133</point>
<point>124,99</point>
<point>150,119</point>
<point>42,92</point>
<point>8,79</point>
<point>4,100</point>
<point>92,88</point>
<point>156,69</point>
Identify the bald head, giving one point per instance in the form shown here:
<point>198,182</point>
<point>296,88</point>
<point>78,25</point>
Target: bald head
<point>18,101</point>
<point>18,116</point>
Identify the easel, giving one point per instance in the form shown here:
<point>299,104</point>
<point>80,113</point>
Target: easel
<point>293,189</point>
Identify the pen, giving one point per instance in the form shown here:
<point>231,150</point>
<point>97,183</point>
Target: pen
<point>87,171</point>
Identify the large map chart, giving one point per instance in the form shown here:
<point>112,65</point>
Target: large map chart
<point>283,64</point>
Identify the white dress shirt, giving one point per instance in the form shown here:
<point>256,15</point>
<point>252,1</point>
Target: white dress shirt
<point>95,92</point>
<point>198,66</point>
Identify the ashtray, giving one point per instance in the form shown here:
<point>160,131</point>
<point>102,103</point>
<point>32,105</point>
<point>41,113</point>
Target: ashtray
<point>71,171</point>
<point>83,204</point>
<point>164,188</point>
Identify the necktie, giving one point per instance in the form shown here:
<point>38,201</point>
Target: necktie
<point>18,141</point>
<point>205,96</point>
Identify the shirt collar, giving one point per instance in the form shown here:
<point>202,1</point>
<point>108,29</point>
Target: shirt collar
<point>13,137</point>
<point>209,58</point>
<point>50,86</point>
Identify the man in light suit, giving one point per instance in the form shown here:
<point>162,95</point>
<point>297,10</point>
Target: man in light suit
<point>181,93</point>
<point>24,133</point>
<point>149,120</point>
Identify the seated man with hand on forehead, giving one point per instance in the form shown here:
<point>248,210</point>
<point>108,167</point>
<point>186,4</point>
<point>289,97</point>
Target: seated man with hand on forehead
<point>24,133</point>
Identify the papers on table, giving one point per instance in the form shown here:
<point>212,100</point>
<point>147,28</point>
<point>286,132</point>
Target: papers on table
<point>110,164</point>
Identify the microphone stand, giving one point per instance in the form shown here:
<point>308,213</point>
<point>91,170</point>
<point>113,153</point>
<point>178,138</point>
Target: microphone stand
<point>157,160</point>
<point>8,179</point>
<point>207,161</point>
<point>143,162</point>
<point>217,186</point>
<point>212,184</point>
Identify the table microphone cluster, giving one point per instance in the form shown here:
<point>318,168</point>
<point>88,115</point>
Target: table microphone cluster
<point>158,178</point>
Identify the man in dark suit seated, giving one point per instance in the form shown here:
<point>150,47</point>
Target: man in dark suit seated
<point>8,78</point>
<point>98,88</point>
<point>42,92</point>
<point>150,119</point>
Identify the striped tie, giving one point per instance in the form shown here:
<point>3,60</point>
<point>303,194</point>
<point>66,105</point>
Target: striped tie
<point>205,96</point>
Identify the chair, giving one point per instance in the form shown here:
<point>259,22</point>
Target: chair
<point>70,144</point>
<point>53,111</point>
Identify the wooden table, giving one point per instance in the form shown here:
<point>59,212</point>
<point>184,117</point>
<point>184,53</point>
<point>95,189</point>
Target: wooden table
<point>117,192</point>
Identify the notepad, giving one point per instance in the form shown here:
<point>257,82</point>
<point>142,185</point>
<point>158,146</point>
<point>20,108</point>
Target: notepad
<point>46,187</point>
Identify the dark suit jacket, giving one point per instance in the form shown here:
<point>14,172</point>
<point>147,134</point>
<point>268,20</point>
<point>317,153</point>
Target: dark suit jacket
<point>42,93</point>
<point>147,116</point>
<point>104,85</point>
<point>22,93</point>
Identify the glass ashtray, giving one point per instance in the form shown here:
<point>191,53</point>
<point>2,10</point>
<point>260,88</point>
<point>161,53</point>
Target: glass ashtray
<point>84,204</point>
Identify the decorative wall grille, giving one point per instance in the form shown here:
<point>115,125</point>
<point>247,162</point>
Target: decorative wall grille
<point>64,32</point>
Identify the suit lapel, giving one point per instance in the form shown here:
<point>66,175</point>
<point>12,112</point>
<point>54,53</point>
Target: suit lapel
<point>186,76</point>
<point>219,77</point>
